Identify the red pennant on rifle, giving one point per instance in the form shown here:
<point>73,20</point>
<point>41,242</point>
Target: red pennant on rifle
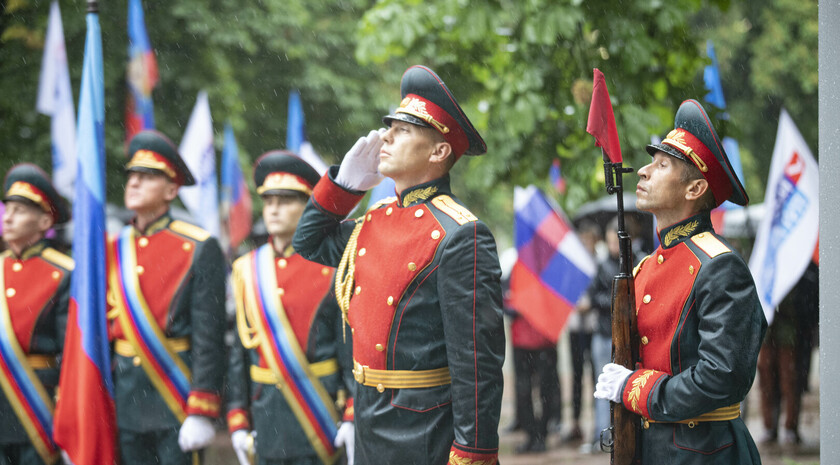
<point>601,123</point>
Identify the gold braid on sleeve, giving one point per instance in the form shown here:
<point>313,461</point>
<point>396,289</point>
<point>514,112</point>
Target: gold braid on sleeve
<point>345,271</point>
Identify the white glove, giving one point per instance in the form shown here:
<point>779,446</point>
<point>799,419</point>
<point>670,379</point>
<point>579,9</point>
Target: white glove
<point>196,433</point>
<point>610,382</point>
<point>359,171</point>
<point>243,445</point>
<point>346,437</point>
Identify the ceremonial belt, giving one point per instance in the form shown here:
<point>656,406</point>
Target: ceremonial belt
<point>262,324</point>
<point>42,361</point>
<point>320,369</point>
<point>167,372</point>
<point>400,379</point>
<point>22,387</point>
<point>177,344</point>
<point>722,414</point>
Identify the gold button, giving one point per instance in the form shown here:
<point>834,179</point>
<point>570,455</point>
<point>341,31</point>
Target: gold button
<point>390,300</point>
<point>362,252</point>
<point>645,423</point>
<point>143,242</point>
<point>10,292</point>
<point>358,290</point>
<point>186,246</point>
<point>690,269</point>
<point>281,291</point>
<point>380,388</point>
<point>140,269</point>
<point>701,235</point>
<point>352,330</point>
<point>380,347</point>
<point>646,299</point>
<point>645,340</point>
<point>325,271</point>
<point>418,213</point>
<point>660,259</point>
<point>282,263</point>
<point>389,210</point>
<point>136,361</point>
<point>56,275</point>
<point>411,266</point>
<point>435,234</point>
<point>369,217</point>
<point>17,266</point>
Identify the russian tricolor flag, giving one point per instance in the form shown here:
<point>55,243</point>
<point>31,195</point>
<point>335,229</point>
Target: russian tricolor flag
<point>236,199</point>
<point>142,74</point>
<point>553,268</point>
<point>85,418</point>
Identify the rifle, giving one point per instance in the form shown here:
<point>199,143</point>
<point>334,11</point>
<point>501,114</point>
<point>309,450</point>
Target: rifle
<point>622,438</point>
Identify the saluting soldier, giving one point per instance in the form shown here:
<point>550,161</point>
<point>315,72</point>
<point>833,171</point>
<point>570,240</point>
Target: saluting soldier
<point>419,278</point>
<point>699,317</point>
<point>35,285</point>
<point>285,387</point>
<point>166,284</point>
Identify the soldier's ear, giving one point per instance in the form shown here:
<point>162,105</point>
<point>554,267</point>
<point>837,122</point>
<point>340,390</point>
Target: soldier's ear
<point>696,188</point>
<point>170,191</point>
<point>45,222</point>
<point>440,152</point>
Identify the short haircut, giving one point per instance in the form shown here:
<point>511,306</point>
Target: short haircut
<point>689,172</point>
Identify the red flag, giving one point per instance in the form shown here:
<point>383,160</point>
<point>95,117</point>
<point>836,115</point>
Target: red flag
<point>601,123</point>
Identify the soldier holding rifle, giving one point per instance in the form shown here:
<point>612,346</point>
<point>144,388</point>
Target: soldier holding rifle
<point>700,324</point>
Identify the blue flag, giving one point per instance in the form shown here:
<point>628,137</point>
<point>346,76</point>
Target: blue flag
<point>85,417</point>
<point>711,76</point>
<point>296,140</point>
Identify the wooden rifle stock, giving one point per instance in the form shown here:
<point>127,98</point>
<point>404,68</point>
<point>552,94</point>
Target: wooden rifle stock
<point>625,337</point>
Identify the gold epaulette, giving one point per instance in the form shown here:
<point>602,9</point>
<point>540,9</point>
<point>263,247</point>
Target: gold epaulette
<point>639,266</point>
<point>382,202</point>
<point>190,230</point>
<point>57,258</point>
<point>453,209</point>
<point>710,244</point>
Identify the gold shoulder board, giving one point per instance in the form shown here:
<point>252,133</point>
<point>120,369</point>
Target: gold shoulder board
<point>456,211</point>
<point>55,257</point>
<point>190,230</point>
<point>382,202</point>
<point>710,244</point>
<point>639,266</point>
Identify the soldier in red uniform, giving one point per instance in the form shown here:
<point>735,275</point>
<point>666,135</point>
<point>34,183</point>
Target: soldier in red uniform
<point>166,293</point>
<point>699,318</point>
<point>419,278</point>
<point>35,286</point>
<point>285,383</point>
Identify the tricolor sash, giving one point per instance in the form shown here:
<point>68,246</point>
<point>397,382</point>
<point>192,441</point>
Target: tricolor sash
<point>302,390</point>
<point>21,385</point>
<point>168,373</point>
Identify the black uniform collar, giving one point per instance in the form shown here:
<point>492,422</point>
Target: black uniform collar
<point>155,226</point>
<point>679,232</point>
<point>423,192</point>
<point>33,250</point>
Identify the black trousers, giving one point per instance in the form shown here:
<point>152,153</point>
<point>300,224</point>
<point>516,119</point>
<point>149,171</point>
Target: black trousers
<point>580,343</point>
<point>536,367</point>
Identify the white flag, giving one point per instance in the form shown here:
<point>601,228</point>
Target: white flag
<point>308,153</point>
<point>787,235</point>
<point>55,99</point>
<point>202,199</point>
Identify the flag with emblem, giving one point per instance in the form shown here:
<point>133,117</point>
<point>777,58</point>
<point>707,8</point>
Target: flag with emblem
<point>788,233</point>
<point>296,135</point>
<point>55,98</point>
<point>85,418</point>
<point>142,75</point>
<point>236,200</point>
<point>553,268</point>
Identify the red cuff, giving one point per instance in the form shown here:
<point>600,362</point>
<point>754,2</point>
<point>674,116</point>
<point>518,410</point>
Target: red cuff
<point>237,419</point>
<point>637,390</point>
<point>348,411</point>
<point>334,198</point>
<point>459,455</point>
<point>203,403</point>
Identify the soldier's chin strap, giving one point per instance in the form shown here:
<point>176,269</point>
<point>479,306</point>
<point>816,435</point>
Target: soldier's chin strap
<point>344,275</point>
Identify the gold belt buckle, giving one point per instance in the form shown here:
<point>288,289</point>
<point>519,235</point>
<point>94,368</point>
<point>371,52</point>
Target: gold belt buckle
<point>359,373</point>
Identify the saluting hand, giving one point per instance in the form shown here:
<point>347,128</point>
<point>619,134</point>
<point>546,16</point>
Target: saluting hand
<point>359,170</point>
